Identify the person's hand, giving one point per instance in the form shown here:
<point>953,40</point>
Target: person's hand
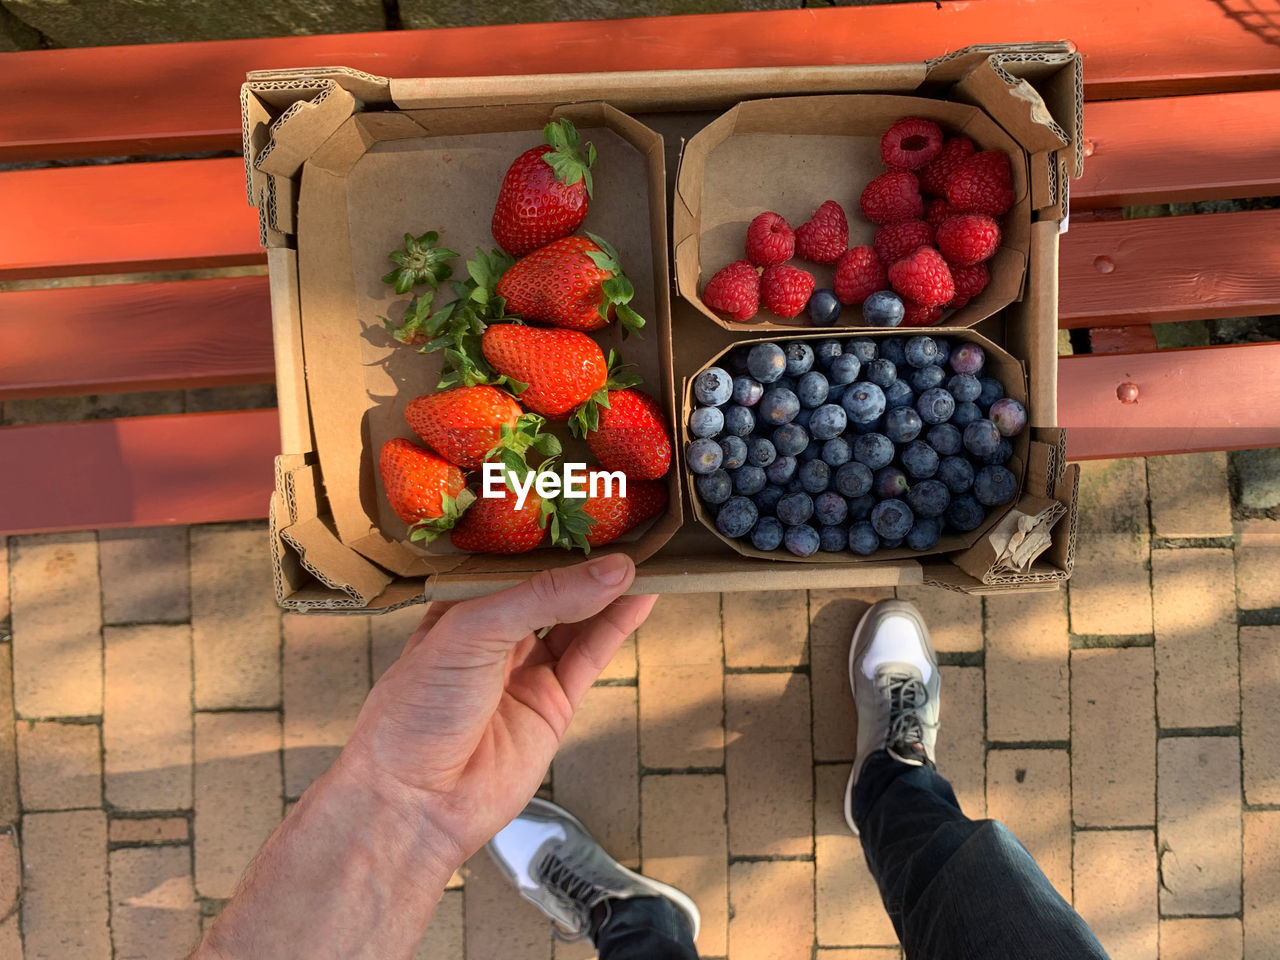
<point>461,729</point>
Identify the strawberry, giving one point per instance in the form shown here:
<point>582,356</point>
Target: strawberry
<point>497,525</point>
<point>574,282</point>
<point>595,521</point>
<point>896,240</point>
<point>910,143</point>
<point>923,277</point>
<point>734,290</point>
<point>982,184</point>
<point>968,238</point>
<point>469,425</point>
<point>423,489</point>
<point>892,196</point>
<point>825,238</point>
<point>632,436</point>
<point>785,289</point>
<point>935,174</point>
<point>419,262</point>
<point>770,240</point>
<point>859,274</point>
<point>545,192</point>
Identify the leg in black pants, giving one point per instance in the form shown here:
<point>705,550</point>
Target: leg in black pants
<point>642,928</point>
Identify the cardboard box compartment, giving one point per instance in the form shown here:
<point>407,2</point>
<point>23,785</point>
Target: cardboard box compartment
<point>302,128</point>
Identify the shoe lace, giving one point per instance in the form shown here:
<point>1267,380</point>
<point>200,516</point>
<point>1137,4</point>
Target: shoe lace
<point>907,696</point>
<point>574,889</point>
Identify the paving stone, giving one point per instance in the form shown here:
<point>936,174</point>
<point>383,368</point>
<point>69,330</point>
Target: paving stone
<point>870,953</point>
<point>8,740</point>
<point>771,905</point>
<point>149,830</point>
<point>1026,663</point>
<point>57,619</point>
<point>237,794</point>
<point>683,629</point>
<point>833,614</point>
<point>768,764</point>
<point>64,871</point>
<point>498,921</point>
<point>766,629</point>
<point>623,666</point>
<point>1261,881</point>
<point>596,771</point>
<point>1199,828</point>
<point>1197,667</point>
<point>1115,886</point>
<point>146,722</point>
<point>144,575</point>
<point>326,678</point>
<point>1113,737</point>
<point>235,624</point>
<point>445,934</point>
<point>1197,939</point>
<point>1260,720</point>
<point>1259,474</point>
<point>683,843</point>
<point>1258,564</point>
<point>388,633</point>
<point>1110,587</point>
<point>961,744</point>
<point>4,578</point>
<point>10,891</point>
<point>1030,792</point>
<point>60,765</point>
<point>848,908</point>
<point>1190,495</point>
<point>154,913</point>
<point>954,619</point>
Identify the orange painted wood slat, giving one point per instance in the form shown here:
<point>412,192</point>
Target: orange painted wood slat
<point>1122,339</point>
<point>137,471</point>
<point>126,217</point>
<point>145,336</point>
<point>169,97</point>
<point>1117,273</point>
<point>1191,399</point>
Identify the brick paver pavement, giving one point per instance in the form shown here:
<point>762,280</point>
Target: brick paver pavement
<point>158,716</point>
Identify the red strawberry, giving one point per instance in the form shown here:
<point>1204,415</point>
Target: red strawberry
<point>613,515</point>
<point>935,174</point>
<point>859,274</point>
<point>734,290</point>
<point>917,315</point>
<point>770,240</point>
<point>910,143</point>
<point>825,238</point>
<point>574,282</point>
<point>463,424</point>
<point>785,289</point>
<point>563,368</point>
<point>937,210</point>
<point>970,281</point>
<point>423,489</point>
<point>632,436</point>
<point>496,525</point>
<point>896,240</point>
<point>892,196</point>
<point>983,184</point>
<point>968,238</point>
<point>924,277</point>
<point>545,193</point>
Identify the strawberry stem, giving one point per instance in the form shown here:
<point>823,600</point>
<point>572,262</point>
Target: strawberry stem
<point>415,326</point>
<point>512,449</point>
<point>618,290</point>
<point>566,156</point>
<point>452,510</point>
<point>586,418</point>
<point>420,261</point>
<point>569,523</point>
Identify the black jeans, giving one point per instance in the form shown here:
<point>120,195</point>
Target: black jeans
<point>955,888</point>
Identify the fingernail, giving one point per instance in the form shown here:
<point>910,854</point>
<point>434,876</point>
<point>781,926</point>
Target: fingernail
<point>609,570</point>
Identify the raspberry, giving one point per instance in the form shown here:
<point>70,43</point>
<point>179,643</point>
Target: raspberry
<point>896,240</point>
<point>917,315</point>
<point>910,143</point>
<point>924,277</point>
<point>785,289</point>
<point>859,274</point>
<point>770,240</point>
<point>968,238</point>
<point>983,184</point>
<point>934,176</point>
<point>970,281</point>
<point>825,238</point>
<point>937,210</point>
<point>892,196</point>
<point>734,290</point>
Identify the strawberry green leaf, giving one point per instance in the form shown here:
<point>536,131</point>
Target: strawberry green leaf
<point>586,419</point>
<point>566,157</point>
<point>421,261</point>
<point>569,523</point>
<point>415,325</point>
<point>515,442</point>
<point>621,375</point>
<point>452,510</point>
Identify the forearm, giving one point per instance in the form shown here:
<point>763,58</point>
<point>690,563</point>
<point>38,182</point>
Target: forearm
<point>352,872</point>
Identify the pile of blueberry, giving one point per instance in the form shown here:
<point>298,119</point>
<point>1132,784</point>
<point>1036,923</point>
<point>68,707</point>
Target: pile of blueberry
<point>855,444</point>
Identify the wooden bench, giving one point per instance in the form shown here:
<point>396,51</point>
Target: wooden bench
<point>1165,120</point>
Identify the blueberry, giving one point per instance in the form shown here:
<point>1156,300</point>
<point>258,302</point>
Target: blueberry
<point>826,351</point>
<point>836,452</point>
<point>734,451</point>
<point>828,421</point>
<point>812,389</point>
<point>873,449</point>
<point>929,498</point>
<point>830,507</point>
<point>881,372</point>
<point>778,405</point>
<point>739,421</point>
<point>790,439</point>
<point>803,540</point>
<point>812,452</point>
<point>894,349</point>
<point>766,362</point>
<point>1009,416</point>
<point>965,514</point>
<point>871,426</point>
<point>863,539</point>
<point>1001,454</point>
<point>802,417</point>
<point>992,390</point>
<point>964,386</point>
<point>902,425</point>
<point>919,460</point>
<point>736,517</point>
<point>956,473</point>
<point>860,507</point>
<point>715,487</point>
<point>785,383</point>
<point>921,351</point>
<point>767,534</point>
<point>794,487</point>
<point>853,479</point>
<point>968,358</point>
<point>889,482</point>
<point>863,348</point>
<point>833,538</point>
<point>815,476</point>
<point>945,438</point>
<point>966,413</point>
<point>835,392</point>
<point>845,368</point>
<point>781,470</point>
<point>713,387</point>
<point>824,308</point>
<point>944,351</point>
<point>981,438</point>
<point>891,518</point>
<point>994,485</point>
<point>899,394</point>
<point>795,508</point>
<point>747,391</point>
<point>760,452</point>
<point>766,500</point>
<point>863,402</point>
<point>925,534</point>
<point>706,421</point>
<point>799,358</point>
<point>704,455</point>
<point>748,479</point>
<point>926,377</point>
<point>884,308</point>
<point>935,405</point>
<point>891,544</point>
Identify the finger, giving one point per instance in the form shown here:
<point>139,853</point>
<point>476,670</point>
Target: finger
<point>596,642</point>
<point>435,610</point>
